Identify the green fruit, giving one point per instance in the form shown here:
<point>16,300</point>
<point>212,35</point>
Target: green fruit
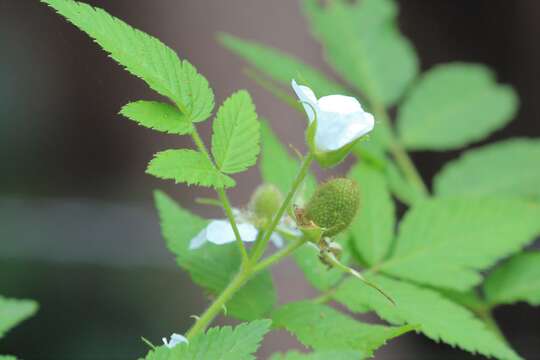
<point>265,201</point>
<point>334,205</point>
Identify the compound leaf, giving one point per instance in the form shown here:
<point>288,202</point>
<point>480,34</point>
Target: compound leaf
<point>212,266</point>
<point>363,44</point>
<point>236,134</point>
<point>446,242</point>
<point>322,328</point>
<point>509,167</point>
<point>143,56</point>
<point>454,105</point>
<point>188,166</point>
<point>218,343</point>
<point>518,279</point>
<point>437,317</point>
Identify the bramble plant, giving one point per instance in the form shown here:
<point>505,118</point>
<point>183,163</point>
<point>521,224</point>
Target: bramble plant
<point>427,277</point>
<point>12,313</point>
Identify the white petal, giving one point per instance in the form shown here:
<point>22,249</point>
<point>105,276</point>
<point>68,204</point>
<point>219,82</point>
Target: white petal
<point>175,340</point>
<point>221,232</point>
<point>340,104</point>
<point>306,95</point>
<point>198,240</point>
<point>248,232</point>
<point>277,240</point>
<point>336,130</point>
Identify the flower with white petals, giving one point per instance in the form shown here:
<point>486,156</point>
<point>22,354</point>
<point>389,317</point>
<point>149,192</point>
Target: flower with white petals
<point>175,340</point>
<point>220,231</point>
<point>340,119</point>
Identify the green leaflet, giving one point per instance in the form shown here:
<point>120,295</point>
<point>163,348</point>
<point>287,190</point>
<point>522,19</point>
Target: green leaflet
<point>188,166</point>
<point>518,279</point>
<point>505,168</point>
<point>322,328</point>
<point>454,105</point>
<point>7,357</point>
<point>13,312</point>
<point>320,355</point>
<point>279,66</point>
<point>445,242</point>
<point>438,318</point>
<point>364,46</point>
<point>236,134</point>
<point>158,116</point>
<point>373,228</point>
<point>212,266</point>
<point>143,56</point>
<point>223,343</point>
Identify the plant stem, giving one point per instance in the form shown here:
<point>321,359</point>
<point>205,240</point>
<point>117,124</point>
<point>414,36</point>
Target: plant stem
<point>223,197</point>
<point>217,306</point>
<point>401,156</point>
<point>259,250</point>
<point>283,253</point>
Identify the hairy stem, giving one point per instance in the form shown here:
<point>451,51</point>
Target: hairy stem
<point>223,198</point>
<point>304,169</point>
<point>217,306</point>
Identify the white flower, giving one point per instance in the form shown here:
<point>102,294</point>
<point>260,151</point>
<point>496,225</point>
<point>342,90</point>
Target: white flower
<point>340,119</point>
<point>220,232</point>
<point>174,340</point>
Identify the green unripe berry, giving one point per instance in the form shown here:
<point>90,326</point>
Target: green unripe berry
<point>334,205</point>
<point>265,201</point>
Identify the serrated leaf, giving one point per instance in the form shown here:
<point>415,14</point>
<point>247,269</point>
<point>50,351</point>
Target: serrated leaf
<point>364,46</point>
<point>223,343</point>
<point>143,56</point>
<point>446,242</point>
<point>322,328</point>
<point>518,279</point>
<point>157,116</point>
<point>13,312</point>
<point>188,166</point>
<point>279,66</point>
<point>212,266</point>
<point>373,228</point>
<point>454,105</point>
<point>509,167</point>
<point>236,134</point>
<point>438,318</point>
<point>320,355</point>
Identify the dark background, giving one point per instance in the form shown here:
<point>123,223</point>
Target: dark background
<point>78,231</point>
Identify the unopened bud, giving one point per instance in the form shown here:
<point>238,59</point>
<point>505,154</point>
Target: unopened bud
<point>265,201</point>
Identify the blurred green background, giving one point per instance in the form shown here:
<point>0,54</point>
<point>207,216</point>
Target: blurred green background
<point>78,231</point>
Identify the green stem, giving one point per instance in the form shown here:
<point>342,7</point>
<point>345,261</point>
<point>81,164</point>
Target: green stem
<point>224,199</point>
<point>283,253</point>
<point>401,156</point>
<point>217,306</point>
<point>259,250</point>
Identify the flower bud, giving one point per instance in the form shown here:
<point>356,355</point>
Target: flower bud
<point>265,201</point>
<point>334,205</point>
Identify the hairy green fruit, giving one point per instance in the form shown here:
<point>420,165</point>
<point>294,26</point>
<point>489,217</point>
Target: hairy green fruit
<point>334,205</point>
<point>265,201</point>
